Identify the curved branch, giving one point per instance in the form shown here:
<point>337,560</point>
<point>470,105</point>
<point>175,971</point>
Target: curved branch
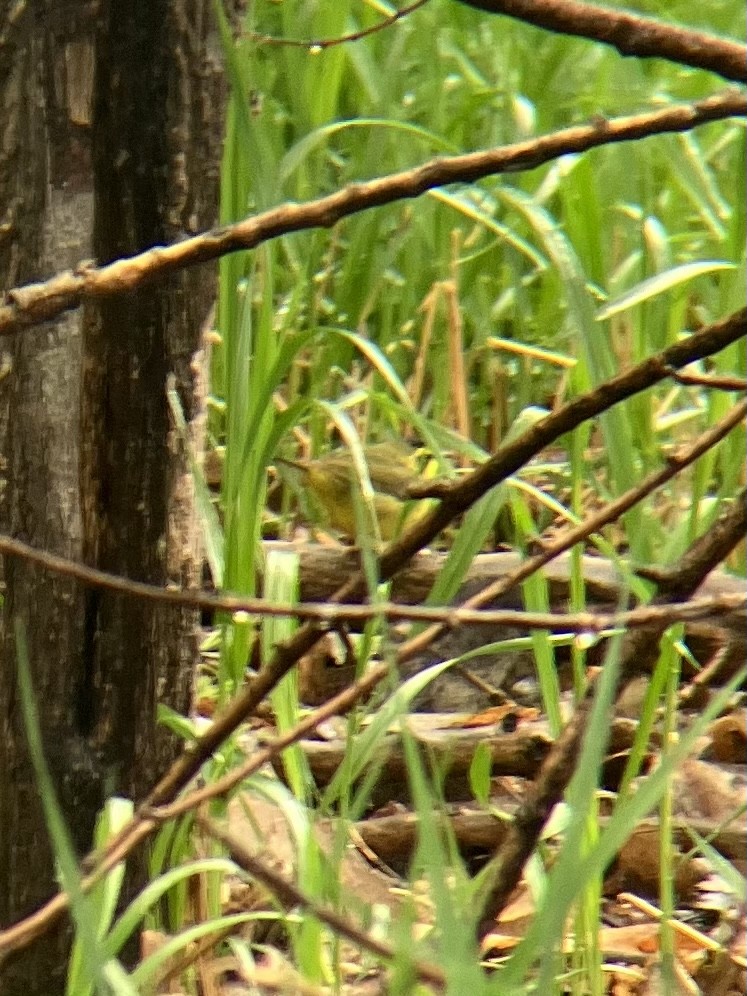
<point>289,896</point>
<point>319,44</point>
<point>35,303</point>
<point>629,33</point>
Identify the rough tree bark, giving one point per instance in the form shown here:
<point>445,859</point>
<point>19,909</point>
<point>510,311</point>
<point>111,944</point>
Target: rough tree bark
<point>94,472</point>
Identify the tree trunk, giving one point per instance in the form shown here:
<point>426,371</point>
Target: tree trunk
<point>156,181</point>
<point>94,473</point>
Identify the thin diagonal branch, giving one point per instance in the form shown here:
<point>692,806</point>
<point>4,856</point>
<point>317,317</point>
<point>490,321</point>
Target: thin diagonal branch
<point>332,614</point>
<point>35,303</point>
<point>629,33</point>
<point>99,864</point>
<point>456,498</point>
<point>318,44</point>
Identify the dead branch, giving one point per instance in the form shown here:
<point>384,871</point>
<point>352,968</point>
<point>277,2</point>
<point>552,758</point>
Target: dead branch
<point>317,45</point>
<point>333,613</point>
<point>455,498</point>
<point>710,381</point>
<point>629,33</point>
<point>393,838</point>
<point>35,303</point>
<point>26,931</point>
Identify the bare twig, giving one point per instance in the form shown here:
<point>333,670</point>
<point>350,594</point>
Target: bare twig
<point>629,33</point>
<point>336,706</point>
<point>319,44</point>
<point>147,820</point>
<point>35,303</point>
<point>711,381</point>
<point>394,837</point>
<point>456,497</point>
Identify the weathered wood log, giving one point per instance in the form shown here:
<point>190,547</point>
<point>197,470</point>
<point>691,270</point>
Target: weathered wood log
<point>451,747</point>
<point>393,838</point>
<point>324,567</point>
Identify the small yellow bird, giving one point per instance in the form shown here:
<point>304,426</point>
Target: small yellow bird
<point>334,484</point>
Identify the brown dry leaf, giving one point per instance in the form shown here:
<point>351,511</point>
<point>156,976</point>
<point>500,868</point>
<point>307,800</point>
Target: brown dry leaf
<point>625,981</point>
<point>498,714</point>
<point>654,985</point>
<point>729,738</point>
<point>698,967</point>
<point>642,939</point>
<point>516,915</point>
<point>702,962</point>
<point>512,923</point>
<point>716,974</point>
<point>633,942</point>
<point>496,944</point>
<point>637,867</point>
